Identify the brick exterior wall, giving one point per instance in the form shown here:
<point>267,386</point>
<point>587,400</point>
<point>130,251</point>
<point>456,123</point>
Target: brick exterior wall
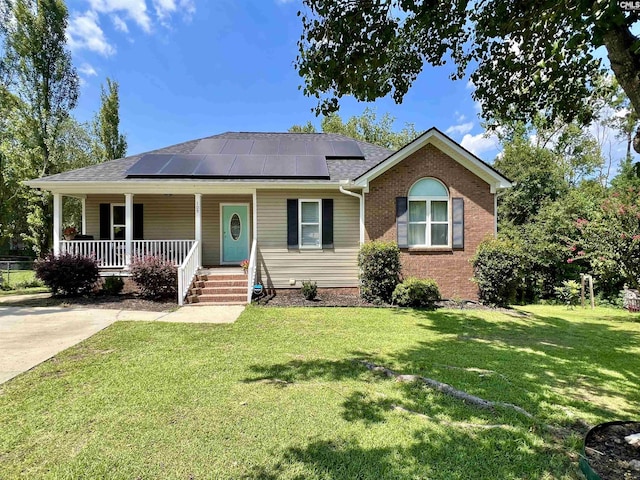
<point>451,269</point>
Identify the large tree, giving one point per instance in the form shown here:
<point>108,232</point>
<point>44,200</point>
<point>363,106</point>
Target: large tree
<point>42,86</point>
<point>524,57</point>
<point>113,144</point>
<point>365,127</point>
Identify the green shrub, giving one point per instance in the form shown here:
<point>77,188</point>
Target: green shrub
<point>67,274</point>
<point>309,290</point>
<point>380,267</point>
<point>497,269</point>
<point>414,292</point>
<point>26,284</point>
<point>112,285</point>
<point>569,293</point>
<point>156,278</point>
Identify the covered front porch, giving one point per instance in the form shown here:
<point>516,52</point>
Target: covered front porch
<point>191,231</point>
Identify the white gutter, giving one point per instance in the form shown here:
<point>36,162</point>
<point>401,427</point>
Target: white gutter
<point>361,198</point>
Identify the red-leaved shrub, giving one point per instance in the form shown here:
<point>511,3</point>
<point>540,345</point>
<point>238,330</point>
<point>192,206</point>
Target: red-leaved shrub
<point>66,274</point>
<point>156,278</point>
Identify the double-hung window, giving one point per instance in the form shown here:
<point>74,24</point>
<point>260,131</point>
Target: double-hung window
<point>117,221</point>
<point>310,223</point>
<point>429,220</point>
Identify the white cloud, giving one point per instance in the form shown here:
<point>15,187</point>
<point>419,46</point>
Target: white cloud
<point>119,24</point>
<point>480,143</point>
<point>135,10</point>
<point>460,129</point>
<point>470,85</point>
<point>87,70</point>
<point>84,32</point>
<point>460,117</point>
<point>166,8</point>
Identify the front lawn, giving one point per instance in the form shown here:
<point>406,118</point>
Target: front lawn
<point>279,395</point>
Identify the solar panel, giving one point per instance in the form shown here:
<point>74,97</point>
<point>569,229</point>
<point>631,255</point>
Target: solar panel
<point>320,147</point>
<point>311,166</point>
<point>292,147</point>
<point>280,166</point>
<point>346,149</point>
<point>149,164</point>
<point>268,158</point>
<point>248,165</point>
<point>210,146</point>
<point>238,147</point>
<point>215,166</point>
<point>182,165</point>
<point>265,147</point>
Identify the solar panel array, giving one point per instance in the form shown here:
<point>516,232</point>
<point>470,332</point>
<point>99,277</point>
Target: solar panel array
<point>239,158</point>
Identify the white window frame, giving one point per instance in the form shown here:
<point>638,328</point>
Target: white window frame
<point>113,225</point>
<point>300,224</point>
<point>427,223</point>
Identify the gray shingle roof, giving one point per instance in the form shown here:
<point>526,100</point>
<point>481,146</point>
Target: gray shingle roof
<point>339,169</point>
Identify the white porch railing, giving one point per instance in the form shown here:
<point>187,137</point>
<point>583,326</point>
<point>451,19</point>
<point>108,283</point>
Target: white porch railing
<point>112,253</point>
<point>108,253</point>
<point>187,271</point>
<point>252,270</point>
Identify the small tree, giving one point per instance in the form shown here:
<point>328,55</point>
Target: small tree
<point>380,267</point>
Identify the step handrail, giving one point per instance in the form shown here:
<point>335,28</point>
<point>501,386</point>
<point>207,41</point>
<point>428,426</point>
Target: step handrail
<point>187,271</point>
<point>252,270</point>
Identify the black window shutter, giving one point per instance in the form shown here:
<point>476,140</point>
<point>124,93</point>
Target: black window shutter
<point>138,221</point>
<point>327,223</point>
<point>292,223</point>
<point>105,221</point>
<point>458,222</point>
<point>402,227</point>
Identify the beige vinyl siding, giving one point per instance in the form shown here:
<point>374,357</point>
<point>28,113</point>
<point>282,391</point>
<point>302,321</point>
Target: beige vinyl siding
<point>165,217</point>
<point>172,218</point>
<point>336,267</point>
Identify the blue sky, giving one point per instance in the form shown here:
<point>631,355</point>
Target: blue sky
<point>193,68</point>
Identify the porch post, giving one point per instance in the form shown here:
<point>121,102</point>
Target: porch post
<point>198,222</point>
<point>84,215</point>
<point>57,222</point>
<point>128,227</point>
<point>254,210</point>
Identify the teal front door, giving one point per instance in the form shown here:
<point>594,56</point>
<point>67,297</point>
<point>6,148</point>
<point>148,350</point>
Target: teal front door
<point>235,233</point>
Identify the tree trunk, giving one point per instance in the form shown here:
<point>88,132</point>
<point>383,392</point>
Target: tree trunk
<point>626,66</point>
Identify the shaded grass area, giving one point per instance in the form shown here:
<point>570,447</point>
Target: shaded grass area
<point>279,395</point>
<point>18,282</point>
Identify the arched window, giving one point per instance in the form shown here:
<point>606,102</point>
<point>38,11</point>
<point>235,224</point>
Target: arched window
<point>428,214</point>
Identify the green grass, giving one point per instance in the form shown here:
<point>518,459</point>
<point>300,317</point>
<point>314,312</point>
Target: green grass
<point>278,395</point>
<point>16,279</point>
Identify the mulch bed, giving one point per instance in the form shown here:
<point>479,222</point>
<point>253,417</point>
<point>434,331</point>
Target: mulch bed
<point>126,301</point>
<point>324,299</point>
<point>610,456</point>
<point>293,298</point>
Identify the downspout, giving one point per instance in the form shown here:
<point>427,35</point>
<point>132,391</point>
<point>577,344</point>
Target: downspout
<point>361,198</point>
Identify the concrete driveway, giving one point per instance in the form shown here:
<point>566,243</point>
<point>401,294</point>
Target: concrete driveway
<point>31,335</point>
